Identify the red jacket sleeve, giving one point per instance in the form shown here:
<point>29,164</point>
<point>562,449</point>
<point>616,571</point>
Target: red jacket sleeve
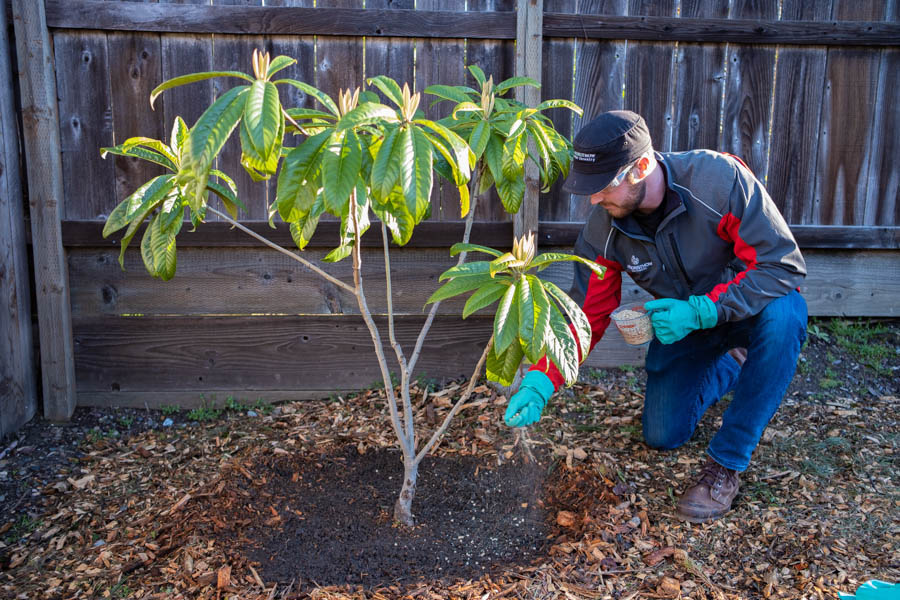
<point>599,297</point>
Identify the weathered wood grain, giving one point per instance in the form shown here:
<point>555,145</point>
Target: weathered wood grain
<point>231,281</point>
<point>18,390</point>
<point>340,59</point>
<point>599,79</point>
<point>498,235</point>
<point>557,81</point>
<point>91,14</point>
<point>883,191</point>
<point>441,61</point>
<point>848,126</point>
<point>699,83</point>
<point>529,53</point>
<point>85,123</point>
<point>767,30</point>
<point>331,18</point>
<point>391,56</point>
<point>648,76</point>
<point>40,122</point>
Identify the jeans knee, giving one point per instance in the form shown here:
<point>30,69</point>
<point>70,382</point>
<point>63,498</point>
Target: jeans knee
<point>660,438</point>
<point>785,318</point>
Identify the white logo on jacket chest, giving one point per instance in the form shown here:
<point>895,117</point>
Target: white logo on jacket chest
<point>637,266</point>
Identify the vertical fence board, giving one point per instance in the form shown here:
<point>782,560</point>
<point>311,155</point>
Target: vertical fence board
<point>391,56</point>
<point>529,53</point>
<point>134,72</point>
<point>303,49</point>
<point>497,59</point>
<point>847,122</point>
<point>18,393</point>
<point>793,150</point>
<point>45,195</point>
<point>234,53</point>
<point>599,80</point>
<point>882,201</point>
<point>648,75</point>
<point>85,123</point>
<point>748,92</point>
<point>340,58</point>
<point>556,82</point>
<point>699,82</point>
<point>441,61</point>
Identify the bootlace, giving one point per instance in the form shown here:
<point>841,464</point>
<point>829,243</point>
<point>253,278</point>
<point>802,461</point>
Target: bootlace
<point>712,474</point>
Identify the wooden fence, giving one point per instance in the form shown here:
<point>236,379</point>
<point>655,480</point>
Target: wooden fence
<point>801,90</point>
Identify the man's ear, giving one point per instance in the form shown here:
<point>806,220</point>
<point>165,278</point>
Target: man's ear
<point>640,170</point>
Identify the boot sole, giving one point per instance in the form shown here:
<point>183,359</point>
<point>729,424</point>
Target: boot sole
<point>696,519</point>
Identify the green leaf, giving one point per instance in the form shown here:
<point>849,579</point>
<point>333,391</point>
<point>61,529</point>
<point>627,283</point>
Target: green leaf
<point>142,153</point>
<point>460,247</point>
<point>147,249</point>
<point>470,269</point>
<point>211,131</point>
<point>191,78</point>
<point>560,347</point>
<point>319,95</point>
<point>138,204</point>
<point>163,248</point>
<point>300,114</point>
<point>263,118</point>
<point>575,314</point>
<point>457,286</point>
<point>227,197</point>
<point>388,87</point>
<point>502,367</point>
<point>278,63</point>
<point>386,167</point>
<point>298,182</point>
<point>558,103</point>
<point>503,262</point>
<point>478,74</point>
<point>418,195</point>
<point>154,145</point>
<point>367,114</point>
<point>513,82</point>
<point>340,169</point>
<point>511,192</point>
<point>479,137</point>
<point>532,333</point>
<point>464,107</point>
<point>486,295</point>
<point>464,157</point>
<point>449,92</point>
<point>396,218</point>
<point>513,158</point>
<point>303,229</point>
<point>506,320</point>
<point>542,260</point>
<point>178,138</point>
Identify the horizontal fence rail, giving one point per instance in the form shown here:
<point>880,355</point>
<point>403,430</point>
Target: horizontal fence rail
<point>262,20</point>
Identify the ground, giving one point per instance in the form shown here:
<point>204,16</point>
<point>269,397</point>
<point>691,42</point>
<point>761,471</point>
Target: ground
<point>293,501</point>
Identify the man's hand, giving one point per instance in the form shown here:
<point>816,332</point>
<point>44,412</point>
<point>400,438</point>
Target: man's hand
<point>673,319</point>
<point>526,405</point>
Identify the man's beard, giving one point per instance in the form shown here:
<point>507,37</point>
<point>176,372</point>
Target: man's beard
<point>632,201</point>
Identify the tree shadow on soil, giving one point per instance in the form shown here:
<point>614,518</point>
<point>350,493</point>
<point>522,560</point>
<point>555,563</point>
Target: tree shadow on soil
<point>326,520</point>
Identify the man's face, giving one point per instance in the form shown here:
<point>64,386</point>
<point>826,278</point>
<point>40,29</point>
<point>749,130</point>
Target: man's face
<point>622,200</point>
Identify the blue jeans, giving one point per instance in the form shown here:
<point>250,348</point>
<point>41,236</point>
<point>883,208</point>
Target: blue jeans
<point>687,377</point>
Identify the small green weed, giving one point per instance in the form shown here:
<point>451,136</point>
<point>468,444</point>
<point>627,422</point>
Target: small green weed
<point>827,383</point>
<point>597,373</point>
<point>761,491</point>
<point>813,330</point>
<point>169,409</point>
<point>204,413</point>
<point>126,421</point>
<point>120,590</point>
<point>861,340</point>
<point>23,526</point>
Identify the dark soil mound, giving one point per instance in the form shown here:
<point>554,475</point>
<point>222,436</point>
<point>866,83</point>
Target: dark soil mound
<point>329,520</point>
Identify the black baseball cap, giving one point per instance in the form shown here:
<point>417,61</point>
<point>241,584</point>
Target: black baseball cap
<point>603,147</point>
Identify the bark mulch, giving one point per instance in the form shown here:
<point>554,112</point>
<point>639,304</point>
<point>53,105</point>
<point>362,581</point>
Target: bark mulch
<point>295,501</point>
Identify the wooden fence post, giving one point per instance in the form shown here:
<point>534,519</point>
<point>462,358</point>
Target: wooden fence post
<point>529,45</point>
<point>40,124</point>
<point>18,399</point>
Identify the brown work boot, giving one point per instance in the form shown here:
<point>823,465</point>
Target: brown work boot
<point>711,495</point>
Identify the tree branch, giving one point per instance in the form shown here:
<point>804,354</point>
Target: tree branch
<point>404,371</point>
<point>462,399</point>
<point>274,246</point>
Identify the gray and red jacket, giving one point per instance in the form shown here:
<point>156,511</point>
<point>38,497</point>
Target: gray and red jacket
<point>722,236</point>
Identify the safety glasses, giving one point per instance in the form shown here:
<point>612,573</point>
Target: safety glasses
<point>618,179</point>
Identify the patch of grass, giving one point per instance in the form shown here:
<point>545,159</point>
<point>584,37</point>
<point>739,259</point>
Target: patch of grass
<point>814,330</point>
<point>169,409</point>
<point>23,526</point>
<point>597,373</point>
<point>632,431</point>
<point>96,435</point>
<point>827,457</point>
<point>126,421</point>
<point>120,590</point>
<point>629,369</point>
<point>204,413</point>
<point>826,383</point>
<point>862,340</point>
<point>760,491</point>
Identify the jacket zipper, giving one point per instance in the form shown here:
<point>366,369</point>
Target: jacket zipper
<point>678,260</point>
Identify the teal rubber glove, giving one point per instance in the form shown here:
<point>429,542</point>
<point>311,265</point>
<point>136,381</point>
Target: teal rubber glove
<point>874,590</point>
<point>673,319</point>
<point>526,405</point>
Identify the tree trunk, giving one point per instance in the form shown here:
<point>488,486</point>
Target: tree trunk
<point>403,507</point>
